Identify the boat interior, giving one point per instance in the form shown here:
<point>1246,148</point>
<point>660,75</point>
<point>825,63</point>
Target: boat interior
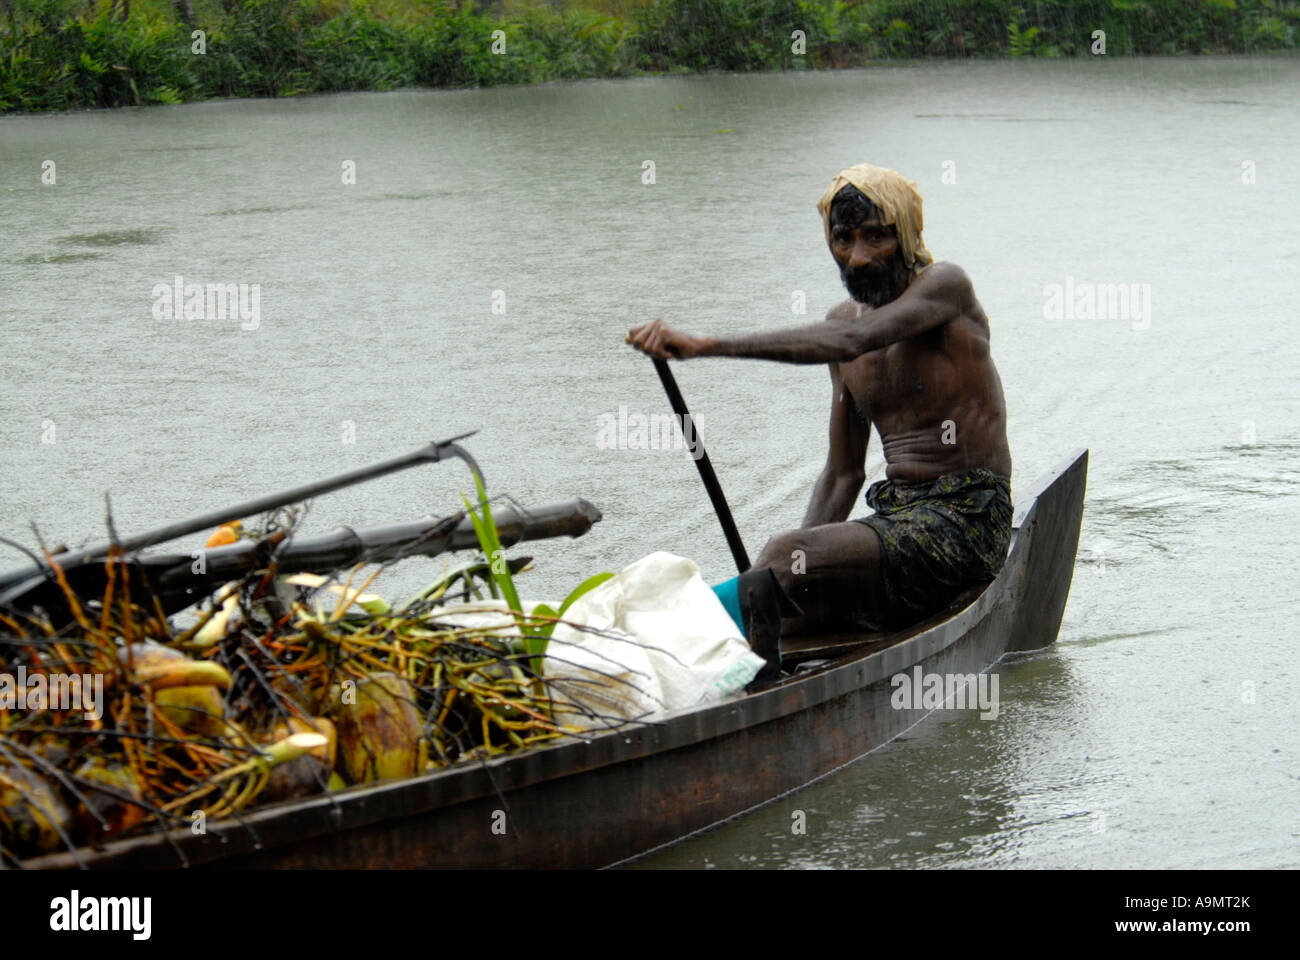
<point>837,639</point>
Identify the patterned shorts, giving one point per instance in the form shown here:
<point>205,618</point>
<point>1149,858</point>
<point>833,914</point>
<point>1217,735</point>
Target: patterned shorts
<point>937,538</point>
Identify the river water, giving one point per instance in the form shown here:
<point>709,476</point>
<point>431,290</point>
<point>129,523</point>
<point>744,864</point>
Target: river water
<point>481,271</point>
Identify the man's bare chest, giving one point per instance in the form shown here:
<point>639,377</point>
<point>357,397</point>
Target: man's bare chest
<point>898,376</point>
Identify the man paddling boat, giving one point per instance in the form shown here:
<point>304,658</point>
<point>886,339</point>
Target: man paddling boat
<point>909,352</point>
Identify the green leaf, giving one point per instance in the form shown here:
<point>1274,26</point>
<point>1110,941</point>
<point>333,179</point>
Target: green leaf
<point>486,531</point>
<point>484,541</point>
<point>538,639</point>
<point>546,629</point>
<point>586,586</point>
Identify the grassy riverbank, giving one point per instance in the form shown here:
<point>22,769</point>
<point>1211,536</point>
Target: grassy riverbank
<point>64,54</point>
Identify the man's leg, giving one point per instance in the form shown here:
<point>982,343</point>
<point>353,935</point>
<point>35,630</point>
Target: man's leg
<point>833,572</point>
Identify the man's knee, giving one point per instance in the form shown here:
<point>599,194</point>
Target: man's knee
<point>786,553</point>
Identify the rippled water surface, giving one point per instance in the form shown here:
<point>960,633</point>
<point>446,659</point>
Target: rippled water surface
<point>1160,729</point>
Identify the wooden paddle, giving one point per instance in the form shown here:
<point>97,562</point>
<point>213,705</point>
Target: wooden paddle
<point>702,462</point>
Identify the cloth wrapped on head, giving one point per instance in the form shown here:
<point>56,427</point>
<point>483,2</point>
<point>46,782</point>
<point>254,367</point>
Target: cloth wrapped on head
<point>897,199</point>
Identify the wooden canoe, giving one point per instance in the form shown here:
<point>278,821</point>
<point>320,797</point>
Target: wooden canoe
<point>595,802</point>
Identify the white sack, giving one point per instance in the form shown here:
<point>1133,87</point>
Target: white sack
<point>664,643</point>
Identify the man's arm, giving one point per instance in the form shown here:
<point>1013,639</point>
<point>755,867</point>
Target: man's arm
<point>841,479</point>
<point>939,295</point>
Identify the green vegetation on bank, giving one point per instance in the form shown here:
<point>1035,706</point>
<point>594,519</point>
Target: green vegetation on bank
<point>63,54</point>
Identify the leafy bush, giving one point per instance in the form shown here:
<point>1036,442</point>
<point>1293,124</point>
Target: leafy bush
<point>63,54</point>
<point>718,34</point>
<point>576,43</point>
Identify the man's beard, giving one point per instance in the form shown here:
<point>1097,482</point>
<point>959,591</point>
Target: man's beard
<point>876,285</point>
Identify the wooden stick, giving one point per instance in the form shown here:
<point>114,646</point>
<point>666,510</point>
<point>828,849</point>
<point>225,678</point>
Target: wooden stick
<point>706,468</point>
